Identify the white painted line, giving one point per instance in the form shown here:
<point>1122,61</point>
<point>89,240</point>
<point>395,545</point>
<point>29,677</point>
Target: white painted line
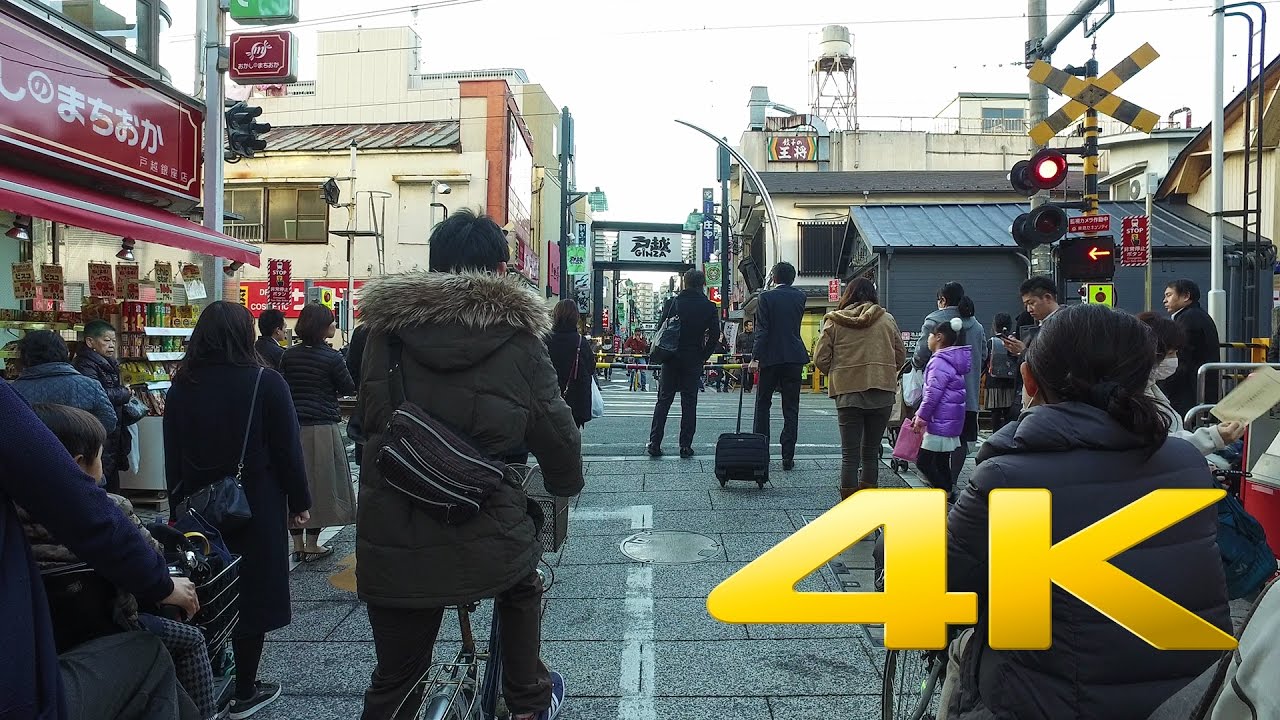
<point>639,664</point>
<point>640,516</point>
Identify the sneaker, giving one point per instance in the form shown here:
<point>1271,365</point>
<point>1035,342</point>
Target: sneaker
<point>264,694</point>
<point>654,450</point>
<point>686,452</point>
<point>788,464</point>
<point>557,697</point>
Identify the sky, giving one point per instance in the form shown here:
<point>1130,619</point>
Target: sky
<point>627,71</point>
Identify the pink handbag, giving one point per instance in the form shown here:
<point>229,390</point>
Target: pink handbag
<point>908,445</point>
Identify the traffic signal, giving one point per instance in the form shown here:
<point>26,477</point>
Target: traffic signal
<point>1087,258</point>
<point>1044,171</point>
<point>1046,224</point>
<point>243,132</point>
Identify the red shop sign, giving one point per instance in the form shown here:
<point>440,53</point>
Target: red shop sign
<point>58,102</point>
<point>263,57</point>
<point>255,295</point>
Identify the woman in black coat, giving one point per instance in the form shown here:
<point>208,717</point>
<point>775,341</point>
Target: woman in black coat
<point>1096,441</point>
<point>204,429</point>
<point>573,359</point>
<point>96,359</point>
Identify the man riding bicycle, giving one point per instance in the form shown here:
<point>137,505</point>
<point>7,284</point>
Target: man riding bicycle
<point>472,356</point>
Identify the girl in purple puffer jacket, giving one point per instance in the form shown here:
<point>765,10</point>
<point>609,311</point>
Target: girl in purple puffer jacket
<point>941,413</point>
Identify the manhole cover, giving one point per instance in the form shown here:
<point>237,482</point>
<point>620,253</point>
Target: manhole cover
<point>670,547</point>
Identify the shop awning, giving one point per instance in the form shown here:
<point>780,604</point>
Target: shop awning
<point>26,193</point>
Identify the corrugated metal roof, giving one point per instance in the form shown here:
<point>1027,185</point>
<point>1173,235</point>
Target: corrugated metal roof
<point>976,182</point>
<point>986,225</point>
<point>374,136</point>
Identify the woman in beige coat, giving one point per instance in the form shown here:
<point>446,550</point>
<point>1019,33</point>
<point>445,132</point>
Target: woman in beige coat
<point>860,351</point>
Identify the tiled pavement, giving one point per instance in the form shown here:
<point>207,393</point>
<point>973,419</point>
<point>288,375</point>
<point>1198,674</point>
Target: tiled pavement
<point>634,641</point>
<point>670,659</point>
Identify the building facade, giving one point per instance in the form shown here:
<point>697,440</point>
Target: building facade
<point>425,144</point>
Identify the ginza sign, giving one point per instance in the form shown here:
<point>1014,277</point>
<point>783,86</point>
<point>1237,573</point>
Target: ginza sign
<point>649,246</point>
<point>59,103</point>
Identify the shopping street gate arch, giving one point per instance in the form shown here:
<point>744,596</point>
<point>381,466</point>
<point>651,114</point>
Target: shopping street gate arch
<point>640,247</point>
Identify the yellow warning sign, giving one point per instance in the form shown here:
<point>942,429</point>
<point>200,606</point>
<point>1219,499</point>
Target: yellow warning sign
<point>1100,294</point>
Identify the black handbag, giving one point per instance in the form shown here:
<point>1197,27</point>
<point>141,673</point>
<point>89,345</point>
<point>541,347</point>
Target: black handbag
<point>223,503</point>
<point>445,472</point>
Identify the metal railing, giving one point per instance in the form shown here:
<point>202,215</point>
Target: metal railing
<point>244,232</point>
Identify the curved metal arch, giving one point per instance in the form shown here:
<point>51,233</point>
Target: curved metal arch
<point>755,178</point>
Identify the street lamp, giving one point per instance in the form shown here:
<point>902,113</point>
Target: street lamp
<point>439,188</point>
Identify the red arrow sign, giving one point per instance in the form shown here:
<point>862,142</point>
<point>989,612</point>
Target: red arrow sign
<point>1095,253</point>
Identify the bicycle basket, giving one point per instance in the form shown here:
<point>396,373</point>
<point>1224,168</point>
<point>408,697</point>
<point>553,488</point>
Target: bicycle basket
<point>555,510</point>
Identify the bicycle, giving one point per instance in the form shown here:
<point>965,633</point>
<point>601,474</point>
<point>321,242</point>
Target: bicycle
<point>912,684</point>
<point>458,690</point>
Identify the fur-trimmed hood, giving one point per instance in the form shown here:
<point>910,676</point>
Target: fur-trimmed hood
<point>857,317</point>
<point>455,319</point>
<point>478,301</point>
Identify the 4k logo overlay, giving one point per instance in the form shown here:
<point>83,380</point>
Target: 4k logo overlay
<point>1025,564</point>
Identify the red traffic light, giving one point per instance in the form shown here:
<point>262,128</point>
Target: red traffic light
<point>1043,226</point>
<point>1044,171</point>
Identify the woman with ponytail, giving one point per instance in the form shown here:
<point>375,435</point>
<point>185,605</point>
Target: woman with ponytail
<point>1097,442</point>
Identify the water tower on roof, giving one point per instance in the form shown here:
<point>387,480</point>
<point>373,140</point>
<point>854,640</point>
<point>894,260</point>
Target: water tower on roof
<point>833,80</point>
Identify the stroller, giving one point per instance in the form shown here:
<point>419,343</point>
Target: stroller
<point>901,411</point>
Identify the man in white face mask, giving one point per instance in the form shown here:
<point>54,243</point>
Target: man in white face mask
<point>1170,338</point>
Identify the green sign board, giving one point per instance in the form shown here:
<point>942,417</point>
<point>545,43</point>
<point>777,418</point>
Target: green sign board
<point>577,259</point>
<point>264,12</point>
<point>713,274</point>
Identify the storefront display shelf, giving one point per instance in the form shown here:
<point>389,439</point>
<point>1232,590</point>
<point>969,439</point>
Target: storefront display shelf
<point>164,356</point>
<point>57,327</point>
<point>168,332</point>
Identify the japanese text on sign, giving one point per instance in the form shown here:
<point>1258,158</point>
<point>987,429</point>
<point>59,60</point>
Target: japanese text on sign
<point>94,114</point>
<point>708,223</point>
<point>52,286</point>
<point>24,281</point>
<point>793,149</point>
<point>279,283</point>
<point>1135,238</point>
<point>102,282</point>
<point>1089,224</point>
<point>643,245</point>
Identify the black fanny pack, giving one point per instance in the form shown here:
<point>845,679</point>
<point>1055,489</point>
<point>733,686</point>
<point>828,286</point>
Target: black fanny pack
<point>442,470</point>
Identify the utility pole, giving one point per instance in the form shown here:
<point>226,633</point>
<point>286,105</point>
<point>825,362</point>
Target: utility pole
<point>1217,294</point>
<point>1038,109</point>
<point>214,128</point>
<point>722,157</point>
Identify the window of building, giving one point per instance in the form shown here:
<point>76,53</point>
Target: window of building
<point>278,215</point>
<point>1003,120</point>
<point>134,25</point>
<point>820,245</point>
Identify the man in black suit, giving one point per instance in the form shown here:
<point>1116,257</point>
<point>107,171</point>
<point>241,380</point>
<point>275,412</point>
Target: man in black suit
<point>271,325</point>
<point>780,355</point>
<point>1182,300</point>
<point>699,335</point>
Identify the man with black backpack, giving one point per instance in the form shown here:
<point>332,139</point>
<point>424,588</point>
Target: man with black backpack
<point>682,361</point>
<point>471,373</point>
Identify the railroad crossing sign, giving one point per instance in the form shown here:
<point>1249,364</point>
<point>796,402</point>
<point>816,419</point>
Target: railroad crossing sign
<point>1096,94</point>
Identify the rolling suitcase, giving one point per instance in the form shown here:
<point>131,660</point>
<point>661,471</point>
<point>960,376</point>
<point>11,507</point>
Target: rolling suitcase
<point>742,456</point>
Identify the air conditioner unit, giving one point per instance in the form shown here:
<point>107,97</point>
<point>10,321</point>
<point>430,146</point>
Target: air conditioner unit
<point>1137,191</point>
